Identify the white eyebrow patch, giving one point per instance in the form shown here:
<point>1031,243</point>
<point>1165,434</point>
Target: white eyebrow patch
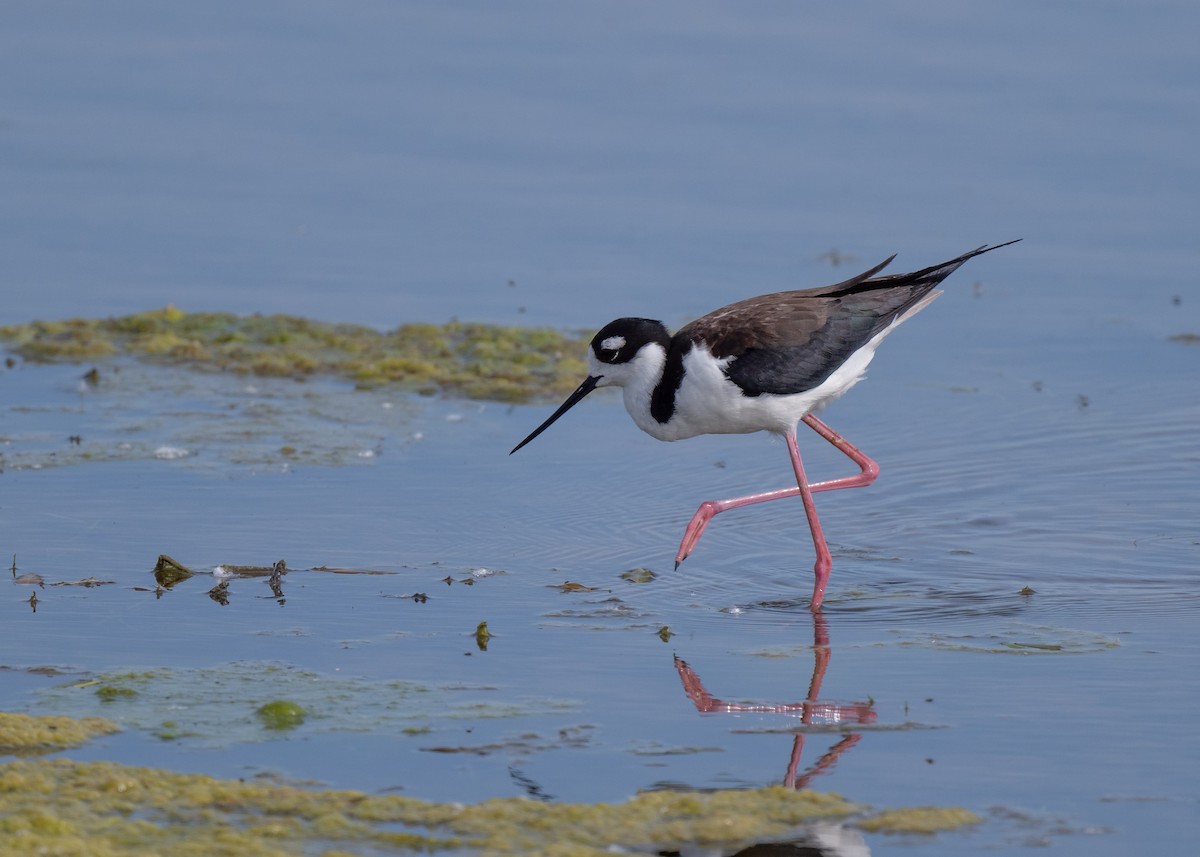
<point>613,343</point>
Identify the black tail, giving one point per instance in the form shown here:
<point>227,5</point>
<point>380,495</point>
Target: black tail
<point>936,273</point>
<point>928,277</point>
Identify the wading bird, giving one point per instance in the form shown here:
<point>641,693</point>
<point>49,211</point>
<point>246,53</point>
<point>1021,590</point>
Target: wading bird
<point>762,364</point>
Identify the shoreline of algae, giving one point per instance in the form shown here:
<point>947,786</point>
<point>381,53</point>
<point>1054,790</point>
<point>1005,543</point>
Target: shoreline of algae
<point>25,735</point>
<point>467,359</point>
<point>103,808</point>
<point>69,806</point>
<point>66,807</point>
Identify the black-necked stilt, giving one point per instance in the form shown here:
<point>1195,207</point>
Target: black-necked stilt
<point>762,364</point>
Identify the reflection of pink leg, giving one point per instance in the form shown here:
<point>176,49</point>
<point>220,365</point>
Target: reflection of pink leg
<point>869,470</point>
<point>811,710</point>
<point>794,780</point>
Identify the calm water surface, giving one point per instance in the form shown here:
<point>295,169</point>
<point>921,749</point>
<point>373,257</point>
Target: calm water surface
<point>1036,426</point>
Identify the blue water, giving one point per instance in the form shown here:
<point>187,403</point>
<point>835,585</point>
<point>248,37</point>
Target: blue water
<point>549,164</point>
<point>407,161</point>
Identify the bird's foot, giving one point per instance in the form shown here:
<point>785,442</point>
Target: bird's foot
<point>695,529</point>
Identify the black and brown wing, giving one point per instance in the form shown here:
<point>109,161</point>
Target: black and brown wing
<point>790,342</point>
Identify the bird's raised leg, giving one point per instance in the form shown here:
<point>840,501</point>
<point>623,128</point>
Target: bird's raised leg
<point>866,464</point>
<point>869,470</point>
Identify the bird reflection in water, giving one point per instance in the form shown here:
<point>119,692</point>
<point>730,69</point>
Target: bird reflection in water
<point>812,709</point>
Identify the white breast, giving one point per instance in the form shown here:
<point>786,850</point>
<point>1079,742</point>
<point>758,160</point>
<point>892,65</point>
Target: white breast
<point>709,403</point>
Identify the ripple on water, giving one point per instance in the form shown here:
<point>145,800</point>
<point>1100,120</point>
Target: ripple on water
<point>1016,638</point>
<point>1094,512</point>
<point>889,595</point>
<point>1045,513</point>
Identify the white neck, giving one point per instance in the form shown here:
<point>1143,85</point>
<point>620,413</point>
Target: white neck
<point>637,380</point>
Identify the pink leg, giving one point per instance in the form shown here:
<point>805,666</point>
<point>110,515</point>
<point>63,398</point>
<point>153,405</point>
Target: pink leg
<point>824,561</point>
<point>869,470</point>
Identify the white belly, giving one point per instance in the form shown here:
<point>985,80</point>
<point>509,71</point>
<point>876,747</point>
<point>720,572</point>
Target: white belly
<point>709,403</point>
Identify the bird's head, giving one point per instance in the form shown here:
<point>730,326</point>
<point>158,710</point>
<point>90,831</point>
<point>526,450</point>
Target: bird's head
<point>622,352</point>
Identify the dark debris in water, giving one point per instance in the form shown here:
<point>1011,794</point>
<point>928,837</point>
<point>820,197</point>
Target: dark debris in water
<point>169,573</point>
<point>32,578</point>
<point>572,586</point>
<point>638,575</point>
<point>471,360</point>
<point>482,635</point>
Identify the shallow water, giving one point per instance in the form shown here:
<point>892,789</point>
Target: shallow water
<point>1036,426</point>
<point>1060,715</point>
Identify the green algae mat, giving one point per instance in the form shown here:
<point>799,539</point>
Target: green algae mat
<point>471,360</point>
<point>64,807</point>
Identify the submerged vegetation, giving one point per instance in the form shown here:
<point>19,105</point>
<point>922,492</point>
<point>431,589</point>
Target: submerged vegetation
<point>472,360</point>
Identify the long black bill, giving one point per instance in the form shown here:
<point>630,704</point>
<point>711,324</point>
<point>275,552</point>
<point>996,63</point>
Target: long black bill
<point>574,399</point>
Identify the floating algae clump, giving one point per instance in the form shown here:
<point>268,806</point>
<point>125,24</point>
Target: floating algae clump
<point>281,714</point>
<point>478,361</point>
<point>22,734</point>
<point>919,819</point>
<point>111,693</point>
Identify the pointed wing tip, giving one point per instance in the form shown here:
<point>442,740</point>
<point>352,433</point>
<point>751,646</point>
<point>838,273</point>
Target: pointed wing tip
<point>987,248</point>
